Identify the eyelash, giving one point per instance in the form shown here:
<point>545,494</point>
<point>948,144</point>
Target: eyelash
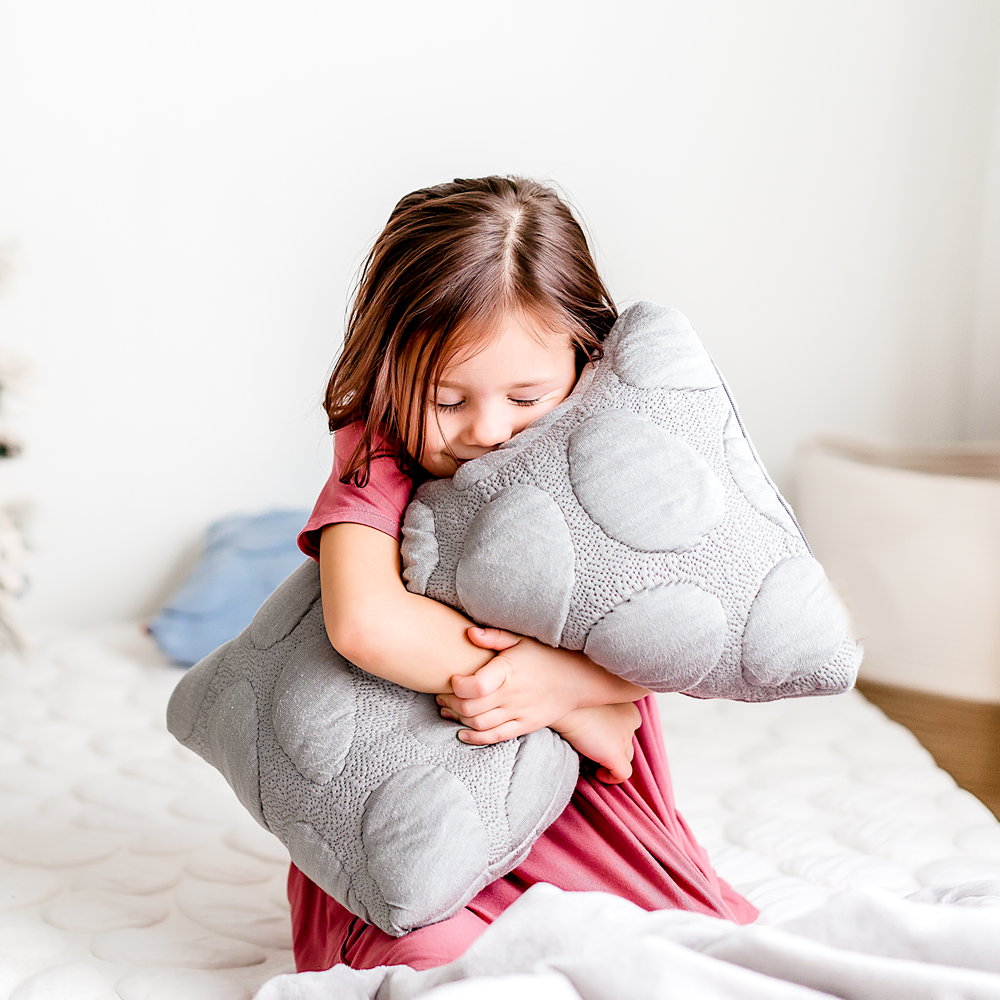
<point>452,407</point>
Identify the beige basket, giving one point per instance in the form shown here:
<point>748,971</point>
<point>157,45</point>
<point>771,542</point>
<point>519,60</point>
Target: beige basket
<point>912,536</point>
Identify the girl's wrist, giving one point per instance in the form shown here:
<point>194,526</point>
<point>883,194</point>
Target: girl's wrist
<point>601,687</point>
<point>571,721</point>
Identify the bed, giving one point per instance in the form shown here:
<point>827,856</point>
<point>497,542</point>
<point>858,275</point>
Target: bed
<point>128,869</point>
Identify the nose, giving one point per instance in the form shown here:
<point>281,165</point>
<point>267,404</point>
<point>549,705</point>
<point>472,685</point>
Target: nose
<point>489,427</point>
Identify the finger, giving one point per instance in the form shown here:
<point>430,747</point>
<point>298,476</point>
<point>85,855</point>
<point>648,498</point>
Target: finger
<point>606,777</point>
<point>468,707</point>
<point>618,772</point>
<point>491,638</point>
<point>488,720</point>
<point>453,716</point>
<point>485,681</point>
<point>508,731</point>
<point>485,719</point>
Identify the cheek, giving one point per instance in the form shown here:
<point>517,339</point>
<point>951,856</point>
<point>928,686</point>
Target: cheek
<point>435,431</point>
<point>434,458</point>
<point>562,395</point>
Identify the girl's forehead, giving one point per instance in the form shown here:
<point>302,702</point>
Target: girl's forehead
<point>511,365</point>
<point>516,340</point>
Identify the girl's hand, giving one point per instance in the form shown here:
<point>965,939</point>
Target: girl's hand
<point>527,686</point>
<point>604,734</point>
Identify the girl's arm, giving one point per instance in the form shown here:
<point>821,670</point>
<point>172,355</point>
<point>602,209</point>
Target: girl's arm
<point>510,695</point>
<point>517,691</point>
<point>377,624</point>
<point>421,644</point>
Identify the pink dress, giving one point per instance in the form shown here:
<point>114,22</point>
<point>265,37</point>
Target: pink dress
<point>625,839</point>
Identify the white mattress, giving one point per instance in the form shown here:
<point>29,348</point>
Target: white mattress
<point>128,869</point>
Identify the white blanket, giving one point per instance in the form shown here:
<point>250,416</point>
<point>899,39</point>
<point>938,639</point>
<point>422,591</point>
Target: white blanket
<point>861,944</point>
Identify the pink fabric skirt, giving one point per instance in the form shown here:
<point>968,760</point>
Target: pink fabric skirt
<point>625,839</point>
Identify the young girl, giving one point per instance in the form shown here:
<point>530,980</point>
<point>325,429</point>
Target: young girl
<point>477,310</point>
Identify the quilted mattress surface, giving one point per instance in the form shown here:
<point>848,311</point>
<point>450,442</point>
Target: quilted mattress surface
<point>128,869</point>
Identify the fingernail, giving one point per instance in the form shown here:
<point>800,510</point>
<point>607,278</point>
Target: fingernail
<point>439,700</point>
<point>463,735</point>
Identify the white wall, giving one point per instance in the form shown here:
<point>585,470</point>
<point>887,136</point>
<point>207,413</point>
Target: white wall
<point>984,369</point>
<point>189,187</point>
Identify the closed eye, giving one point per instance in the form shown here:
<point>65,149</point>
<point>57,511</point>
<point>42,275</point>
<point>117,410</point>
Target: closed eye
<point>453,407</point>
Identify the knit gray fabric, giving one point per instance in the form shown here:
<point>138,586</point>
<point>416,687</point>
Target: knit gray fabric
<point>362,780</point>
<point>635,522</point>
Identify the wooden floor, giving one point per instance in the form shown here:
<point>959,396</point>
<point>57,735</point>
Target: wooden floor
<point>962,736</point>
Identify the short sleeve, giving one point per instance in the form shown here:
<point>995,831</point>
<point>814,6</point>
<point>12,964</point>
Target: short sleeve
<point>379,504</point>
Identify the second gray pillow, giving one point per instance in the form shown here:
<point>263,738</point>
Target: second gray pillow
<point>362,780</point>
<point>635,522</point>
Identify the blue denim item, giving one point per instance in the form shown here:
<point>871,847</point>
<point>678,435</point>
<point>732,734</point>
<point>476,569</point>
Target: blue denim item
<point>244,559</point>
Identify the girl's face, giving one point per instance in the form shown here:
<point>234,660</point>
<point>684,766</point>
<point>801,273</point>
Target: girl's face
<point>486,398</point>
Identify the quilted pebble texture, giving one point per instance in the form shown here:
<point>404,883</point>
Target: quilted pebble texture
<point>366,785</point>
<point>635,522</point>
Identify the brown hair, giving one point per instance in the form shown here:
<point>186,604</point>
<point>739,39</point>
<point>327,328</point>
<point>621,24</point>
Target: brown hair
<point>452,260</point>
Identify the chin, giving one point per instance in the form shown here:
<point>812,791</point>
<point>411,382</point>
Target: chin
<point>442,468</point>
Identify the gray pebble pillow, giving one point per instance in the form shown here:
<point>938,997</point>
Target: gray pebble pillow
<point>362,780</point>
<point>635,522</point>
